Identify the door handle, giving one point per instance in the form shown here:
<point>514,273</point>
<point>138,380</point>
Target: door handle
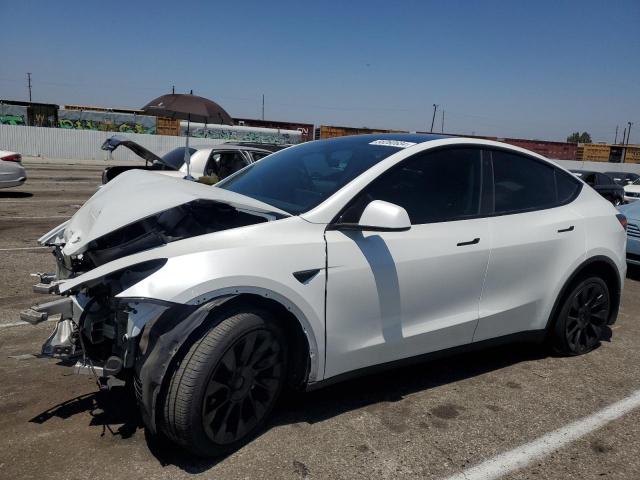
<point>470,242</point>
<point>568,229</point>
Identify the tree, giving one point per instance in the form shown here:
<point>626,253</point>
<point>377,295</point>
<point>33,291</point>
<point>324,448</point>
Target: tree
<point>577,137</point>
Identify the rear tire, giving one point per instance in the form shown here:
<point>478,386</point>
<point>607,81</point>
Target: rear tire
<point>221,392</point>
<point>582,318</point>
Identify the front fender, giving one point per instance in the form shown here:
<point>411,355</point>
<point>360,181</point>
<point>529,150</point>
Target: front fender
<point>164,336</point>
<point>160,341</point>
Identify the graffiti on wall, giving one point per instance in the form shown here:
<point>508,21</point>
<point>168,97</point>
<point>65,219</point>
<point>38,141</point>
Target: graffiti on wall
<point>13,114</point>
<point>106,121</point>
<point>241,134</point>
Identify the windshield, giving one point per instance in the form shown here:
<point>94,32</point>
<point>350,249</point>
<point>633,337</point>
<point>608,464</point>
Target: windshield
<point>175,157</point>
<point>636,181</point>
<point>299,178</point>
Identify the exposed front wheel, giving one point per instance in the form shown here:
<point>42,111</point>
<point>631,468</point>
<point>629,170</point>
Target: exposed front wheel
<point>583,317</point>
<point>226,385</point>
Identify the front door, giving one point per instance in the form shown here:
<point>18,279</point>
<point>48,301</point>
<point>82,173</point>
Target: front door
<point>393,295</point>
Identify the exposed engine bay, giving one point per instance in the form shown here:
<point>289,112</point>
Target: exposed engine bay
<point>96,325</point>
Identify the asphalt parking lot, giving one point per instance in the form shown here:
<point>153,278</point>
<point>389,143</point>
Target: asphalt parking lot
<point>433,420</point>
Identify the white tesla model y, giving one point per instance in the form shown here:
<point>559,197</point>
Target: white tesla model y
<point>321,261</point>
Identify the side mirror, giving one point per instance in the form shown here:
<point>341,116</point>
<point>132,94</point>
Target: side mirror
<point>380,216</point>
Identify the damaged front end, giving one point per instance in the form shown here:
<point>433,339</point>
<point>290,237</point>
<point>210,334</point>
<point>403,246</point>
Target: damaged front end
<point>93,322</point>
<point>95,325</point>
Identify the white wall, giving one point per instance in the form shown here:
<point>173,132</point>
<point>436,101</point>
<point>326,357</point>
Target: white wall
<point>83,144</point>
<point>599,166</point>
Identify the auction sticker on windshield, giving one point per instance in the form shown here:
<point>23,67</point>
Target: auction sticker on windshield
<point>393,143</point>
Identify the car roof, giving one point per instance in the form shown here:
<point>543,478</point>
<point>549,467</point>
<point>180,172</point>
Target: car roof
<point>611,172</point>
<point>228,146</point>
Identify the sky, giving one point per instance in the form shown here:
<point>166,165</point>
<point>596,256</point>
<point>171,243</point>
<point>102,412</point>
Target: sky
<point>527,69</point>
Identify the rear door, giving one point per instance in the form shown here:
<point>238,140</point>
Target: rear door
<point>392,295</point>
<point>537,240</point>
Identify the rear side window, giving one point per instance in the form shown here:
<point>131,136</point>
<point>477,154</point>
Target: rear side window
<point>521,183</point>
<point>568,187</point>
<point>603,179</point>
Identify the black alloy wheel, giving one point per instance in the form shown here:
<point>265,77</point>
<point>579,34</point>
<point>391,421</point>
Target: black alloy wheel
<point>221,391</point>
<point>583,318</point>
<point>242,387</point>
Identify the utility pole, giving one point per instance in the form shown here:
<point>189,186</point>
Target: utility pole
<point>442,126</point>
<point>263,106</point>
<point>629,131</point>
<point>29,84</point>
<point>616,139</point>
<point>173,89</point>
<point>624,134</point>
<point>435,107</point>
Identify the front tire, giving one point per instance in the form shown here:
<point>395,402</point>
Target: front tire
<point>583,317</point>
<point>219,395</point>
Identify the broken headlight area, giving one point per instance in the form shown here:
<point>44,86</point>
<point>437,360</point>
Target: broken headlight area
<point>97,325</point>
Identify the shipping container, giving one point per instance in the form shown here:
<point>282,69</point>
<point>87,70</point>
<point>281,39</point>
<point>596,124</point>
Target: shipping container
<point>305,129</point>
<point>593,152</point>
<point>167,126</point>
<point>330,131</point>
<point>632,155</point>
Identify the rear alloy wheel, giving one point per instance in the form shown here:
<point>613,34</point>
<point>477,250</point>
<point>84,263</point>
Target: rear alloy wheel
<point>224,388</point>
<point>583,317</point>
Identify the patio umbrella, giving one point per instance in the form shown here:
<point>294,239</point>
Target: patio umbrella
<point>188,107</point>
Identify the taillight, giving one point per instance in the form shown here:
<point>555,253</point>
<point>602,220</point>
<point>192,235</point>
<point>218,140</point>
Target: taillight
<point>12,158</point>
<point>623,220</point>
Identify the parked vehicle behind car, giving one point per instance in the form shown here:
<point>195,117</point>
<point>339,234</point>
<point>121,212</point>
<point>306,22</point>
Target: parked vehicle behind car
<point>320,262</point>
<point>603,184</point>
<point>219,161</point>
<point>632,212</point>
<point>632,191</point>
<point>12,172</point>
<point>623,178</point>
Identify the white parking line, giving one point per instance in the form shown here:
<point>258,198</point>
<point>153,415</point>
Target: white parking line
<point>47,200</point>
<point>523,455</point>
<point>20,323</point>
<point>34,218</point>
<point>21,248</point>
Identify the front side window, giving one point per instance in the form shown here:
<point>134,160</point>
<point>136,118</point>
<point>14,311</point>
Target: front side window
<point>521,183</point>
<point>223,164</point>
<point>432,187</point>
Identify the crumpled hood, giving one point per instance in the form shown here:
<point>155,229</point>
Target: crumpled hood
<point>137,194</point>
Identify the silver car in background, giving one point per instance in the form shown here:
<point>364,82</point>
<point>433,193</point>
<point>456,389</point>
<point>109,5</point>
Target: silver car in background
<point>12,173</point>
<point>632,212</point>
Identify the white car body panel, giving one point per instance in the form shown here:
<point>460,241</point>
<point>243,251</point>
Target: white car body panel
<point>526,246</point>
<point>392,295</point>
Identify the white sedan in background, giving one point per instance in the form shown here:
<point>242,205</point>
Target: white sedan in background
<point>632,191</point>
<point>12,173</point>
